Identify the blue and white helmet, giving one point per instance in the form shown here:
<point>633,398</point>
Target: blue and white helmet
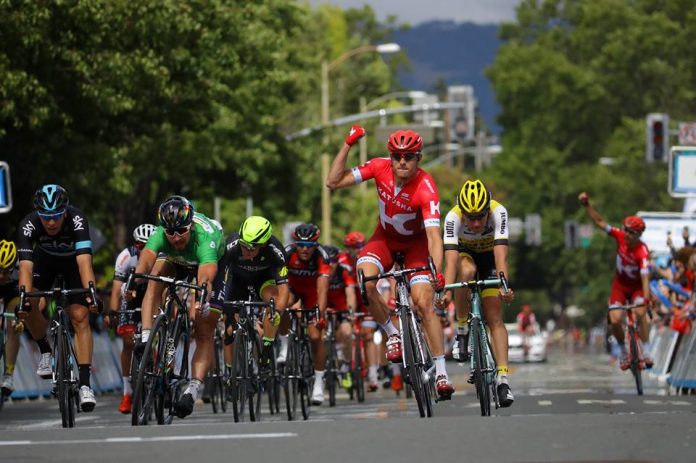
<point>51,200</point>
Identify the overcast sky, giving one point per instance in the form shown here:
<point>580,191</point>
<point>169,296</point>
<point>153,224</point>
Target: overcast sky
<point>418,11</point>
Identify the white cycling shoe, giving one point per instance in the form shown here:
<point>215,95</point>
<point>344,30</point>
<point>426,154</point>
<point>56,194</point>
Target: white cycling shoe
<point>44,370</point>
<point>87,401</point>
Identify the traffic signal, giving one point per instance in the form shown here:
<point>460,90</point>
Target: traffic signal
<point>657,145</point>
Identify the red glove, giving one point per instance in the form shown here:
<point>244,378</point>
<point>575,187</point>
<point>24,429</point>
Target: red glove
<point>439,282</point>
<point>320,323</point>
<point>356,133</point>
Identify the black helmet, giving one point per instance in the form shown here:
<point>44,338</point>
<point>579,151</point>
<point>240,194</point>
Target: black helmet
<point>306,232</point>
<point>176,212</point>
<point>51,199</point>
<point>331,252</point>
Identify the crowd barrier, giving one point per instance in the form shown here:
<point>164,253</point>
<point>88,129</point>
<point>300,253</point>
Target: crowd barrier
<point>683,373</point>
<point>663,343</point>
<point>106,368</point>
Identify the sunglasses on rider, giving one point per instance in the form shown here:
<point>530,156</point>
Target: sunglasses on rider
<point>305,244</point>
<point>177,231</point>
<point>249,246</point>
<point>630,231</point>
<point>473,217</point>
<point>51,215</point>
<point>406,156</point>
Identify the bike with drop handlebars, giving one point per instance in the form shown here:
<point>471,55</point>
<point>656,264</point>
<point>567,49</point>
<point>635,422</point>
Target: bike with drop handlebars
<point>417,360</point>
<point>482,361</point>
<point>65,372</point>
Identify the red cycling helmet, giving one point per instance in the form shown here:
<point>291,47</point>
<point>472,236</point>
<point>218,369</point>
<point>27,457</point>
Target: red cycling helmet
<point>635,223</point>
<point>354,239</point>
<point>405,141</point>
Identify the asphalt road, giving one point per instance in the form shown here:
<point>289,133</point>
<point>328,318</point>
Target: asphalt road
<point>572,408</point>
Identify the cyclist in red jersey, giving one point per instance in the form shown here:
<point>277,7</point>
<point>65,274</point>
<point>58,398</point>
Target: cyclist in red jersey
<point>409,222</point>
<point>632,279</point>
<point>354,242</point>
<point>308,276</point>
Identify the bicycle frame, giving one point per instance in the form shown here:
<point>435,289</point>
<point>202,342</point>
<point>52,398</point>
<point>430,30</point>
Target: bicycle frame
<point>635,349</point>
<point>482,362</point>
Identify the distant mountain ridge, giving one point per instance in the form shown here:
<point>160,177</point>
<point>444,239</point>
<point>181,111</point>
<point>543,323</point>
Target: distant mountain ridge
<point>459,52</point>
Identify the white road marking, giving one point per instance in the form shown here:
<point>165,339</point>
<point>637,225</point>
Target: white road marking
<point>666,402</point>
<point>603,402</point>
<point>47,424</point>
<point>545,403</point>
<point>270,435</point>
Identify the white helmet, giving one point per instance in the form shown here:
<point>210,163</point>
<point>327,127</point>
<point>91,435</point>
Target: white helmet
<point>143,232</point>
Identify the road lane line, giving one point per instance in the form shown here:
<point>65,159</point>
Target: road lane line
<point>137,439</point>
<point>545,403</point>
<point>602,402</point>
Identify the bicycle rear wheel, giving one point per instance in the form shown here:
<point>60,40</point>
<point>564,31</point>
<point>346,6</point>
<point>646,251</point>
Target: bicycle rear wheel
<point>66,394</point>
<point>635,361</point>
<point>482,388</point>
<point>272,386</point>
<point>148,383</point>
<point>217,390</point>
<point>291,374</point>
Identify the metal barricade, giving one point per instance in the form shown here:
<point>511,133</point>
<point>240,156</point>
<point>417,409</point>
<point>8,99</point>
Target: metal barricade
<point>683,374</point>
<point>663,345</point>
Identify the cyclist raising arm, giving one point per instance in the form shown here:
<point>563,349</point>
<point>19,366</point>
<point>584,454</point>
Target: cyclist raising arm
<point>409,222</point>
<point>185,244</point>
<point>632,279</point>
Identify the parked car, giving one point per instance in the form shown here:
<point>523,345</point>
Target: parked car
<point>536,342</point>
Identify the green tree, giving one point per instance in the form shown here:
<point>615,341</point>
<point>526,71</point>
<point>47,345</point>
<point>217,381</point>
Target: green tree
<point>575,81</point>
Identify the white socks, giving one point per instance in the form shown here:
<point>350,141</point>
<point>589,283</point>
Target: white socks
<point>440,368</point>
<point>389,328</point>
<point>127,389</point>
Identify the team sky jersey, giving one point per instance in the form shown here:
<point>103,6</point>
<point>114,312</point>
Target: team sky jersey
<point>206,245</point>
<point>458,236</point>
<point>405,212</point>
<point>270,260</point>
<point>72,239</point>
<point>126,260</point>
<point>630,263</point>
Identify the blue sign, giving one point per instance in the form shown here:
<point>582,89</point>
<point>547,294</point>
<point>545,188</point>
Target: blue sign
<point>5,188</point>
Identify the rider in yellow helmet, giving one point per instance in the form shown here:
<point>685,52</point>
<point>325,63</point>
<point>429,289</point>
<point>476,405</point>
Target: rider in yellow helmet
<point>9,296</point>
<point>476,247</point>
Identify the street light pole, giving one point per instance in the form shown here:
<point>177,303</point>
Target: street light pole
<point>326,67</point>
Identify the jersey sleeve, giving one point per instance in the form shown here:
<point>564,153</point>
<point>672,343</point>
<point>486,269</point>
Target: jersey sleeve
<point>281,262</point>
<point>430,203</point>
<point>157,240</point>
<point>28,231</point>
<point>451,234</point>
<point>366,171</point>
<point>323,267</point>
<point>501,231</point>
<point>208,250</point>
<point>122,266</point>
<point>80,226</point>
<point>643,255</point>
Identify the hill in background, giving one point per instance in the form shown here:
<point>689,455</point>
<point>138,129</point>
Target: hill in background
<point>457,52</point>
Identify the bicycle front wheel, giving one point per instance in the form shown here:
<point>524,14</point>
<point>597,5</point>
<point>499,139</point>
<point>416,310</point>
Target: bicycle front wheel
<point>635,361</point>
<point>239,376</point>
<point>413,370</point>
<point>66,394</point>
<point>358,368</point>
<point>150,371</point>
<point>291,374</point>
<point>330,372</point>
<point>482,387</point>
<point>255,388</point>
<point>307,375</point>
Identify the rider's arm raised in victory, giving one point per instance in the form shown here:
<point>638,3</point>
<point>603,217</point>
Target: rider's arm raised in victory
<point>339,176</point>
<point>591,212</point>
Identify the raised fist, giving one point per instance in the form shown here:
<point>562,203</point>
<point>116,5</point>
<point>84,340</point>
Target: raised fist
<point>356,133</point>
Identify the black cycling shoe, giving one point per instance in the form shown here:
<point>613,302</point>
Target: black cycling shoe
<point>184,406</point>
<point>139,347</point>
<point>505,395</point>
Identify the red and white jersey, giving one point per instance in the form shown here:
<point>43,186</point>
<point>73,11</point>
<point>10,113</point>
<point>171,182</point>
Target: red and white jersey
<point>403,212</point>
<point>631,263</point>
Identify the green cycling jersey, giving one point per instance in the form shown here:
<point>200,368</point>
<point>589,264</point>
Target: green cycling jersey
<point>206,245</point>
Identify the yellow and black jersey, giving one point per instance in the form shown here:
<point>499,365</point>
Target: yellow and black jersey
<point>458,236</point>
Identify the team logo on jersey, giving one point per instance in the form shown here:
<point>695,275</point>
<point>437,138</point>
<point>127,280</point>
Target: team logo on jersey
<point>28,229</point>
<point>503,222</point>
<point>78,223</point>
<point>434,207</point>
<point>283,271</point>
